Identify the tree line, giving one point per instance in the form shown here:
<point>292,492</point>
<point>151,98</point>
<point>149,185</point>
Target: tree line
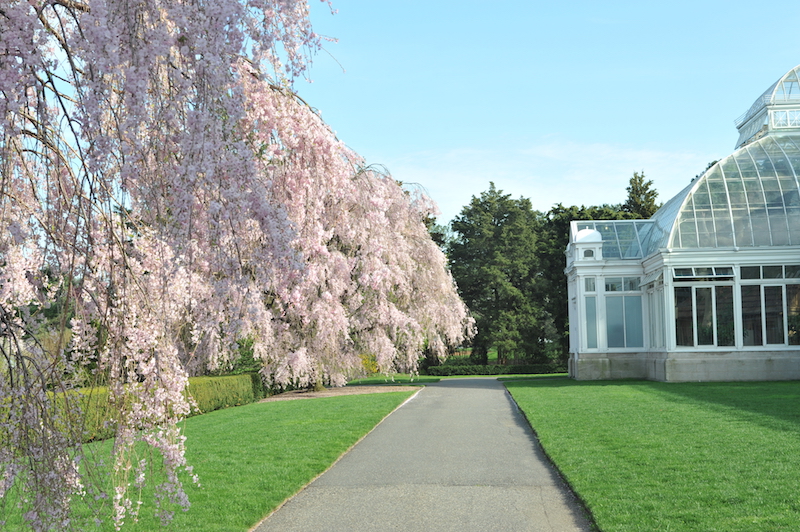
<point>508,262</point>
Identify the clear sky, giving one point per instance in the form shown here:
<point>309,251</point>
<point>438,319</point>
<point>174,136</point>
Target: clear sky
<point>553,101</point>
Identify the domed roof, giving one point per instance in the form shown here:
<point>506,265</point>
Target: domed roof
<point>778,108</point>
<point>750,198</point>
<point>588,235</point>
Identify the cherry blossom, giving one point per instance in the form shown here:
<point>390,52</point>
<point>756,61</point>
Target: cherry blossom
<point>164,195</point>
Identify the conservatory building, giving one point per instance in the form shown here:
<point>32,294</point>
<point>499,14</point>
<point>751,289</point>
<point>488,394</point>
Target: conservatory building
<point>708,289</point>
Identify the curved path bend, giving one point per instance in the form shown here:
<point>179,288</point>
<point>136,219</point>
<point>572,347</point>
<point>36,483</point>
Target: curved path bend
<point>458,456</point>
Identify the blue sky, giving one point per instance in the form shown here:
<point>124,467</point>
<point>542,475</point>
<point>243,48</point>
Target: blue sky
<point>556,102</point>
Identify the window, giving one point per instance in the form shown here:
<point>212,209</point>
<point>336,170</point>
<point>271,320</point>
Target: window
<point>623,312</point>
<point>751,315</point>
<point>684,323</point>
<point>620,284</point>
<point>624,321</point>
<point>588,284</point>
<point>783,119</point>
<point>751,272</point>
<point>702,273</point>
<point>655,313</point>
<point>770,305</point>
<point>591,322</point>
<point>588,254</point>
<point>704,315</point>
<point>763,314</point>
<point>793,313</point>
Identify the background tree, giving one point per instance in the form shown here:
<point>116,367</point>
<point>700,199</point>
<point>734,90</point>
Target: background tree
<point>641,198</point>
<point>553,240</point>
<point>494,261</point>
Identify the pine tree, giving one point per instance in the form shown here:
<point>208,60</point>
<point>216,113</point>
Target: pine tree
<point>641,198</point>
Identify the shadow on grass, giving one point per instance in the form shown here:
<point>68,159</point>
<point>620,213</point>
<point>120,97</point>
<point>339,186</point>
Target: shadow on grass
<point>775,404</point>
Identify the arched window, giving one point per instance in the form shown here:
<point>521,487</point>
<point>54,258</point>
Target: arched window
<point>588,254</point>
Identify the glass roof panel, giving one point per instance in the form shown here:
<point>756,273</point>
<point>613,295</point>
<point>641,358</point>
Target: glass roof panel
<point>622,239</point>
<point>749,199</point>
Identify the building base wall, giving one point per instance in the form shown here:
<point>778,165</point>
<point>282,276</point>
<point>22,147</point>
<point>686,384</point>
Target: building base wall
<point>687,366</point>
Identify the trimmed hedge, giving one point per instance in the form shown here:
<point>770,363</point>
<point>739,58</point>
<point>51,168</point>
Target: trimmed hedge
<point>208,393</point>
<point>444,371</point>
<point>213,393</point>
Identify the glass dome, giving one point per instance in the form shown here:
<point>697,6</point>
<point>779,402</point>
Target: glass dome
<point>777,109</point>
<point>748,199</point>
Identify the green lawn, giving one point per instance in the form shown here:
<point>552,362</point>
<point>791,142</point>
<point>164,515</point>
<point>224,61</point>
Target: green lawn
<point>528,377</point>
<point>648,456</point>
<point>397,378</point>
<point>251,458</point>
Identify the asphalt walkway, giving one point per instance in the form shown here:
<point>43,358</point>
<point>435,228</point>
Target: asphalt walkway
<point>459,456</point>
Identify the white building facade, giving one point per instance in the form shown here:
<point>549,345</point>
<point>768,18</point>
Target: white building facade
<point>708,289</point>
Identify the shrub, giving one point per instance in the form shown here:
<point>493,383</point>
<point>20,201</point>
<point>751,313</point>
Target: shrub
<point>444,371</point>
<point>458,361</point>
<point>213,393</point>
<point>208,393</point>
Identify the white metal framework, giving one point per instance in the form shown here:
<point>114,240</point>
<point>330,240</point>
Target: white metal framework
<point>709,288</point>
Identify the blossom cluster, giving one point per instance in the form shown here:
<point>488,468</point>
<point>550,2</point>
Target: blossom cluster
<point>165,195</point>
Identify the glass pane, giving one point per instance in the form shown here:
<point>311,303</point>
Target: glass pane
<point>793,271</point>
<point>652,319</point>
<point>793,310</point>
<point>684,332</point>
<point>589,284</point>
<point>725,336</point>
<point>634,336</point>
<point>751,272</point>
<point>724,271</point>
<point>591,322</point>
<point>703,272</point>
<point>615,325</point>
<point>683,272</point>
<point>705,317</point>
<point>751,315</point>
<point>614,284</point>
<point>773,312</point>
<point>631,284</point>
<point>773,272</point>
<point>762,234</point>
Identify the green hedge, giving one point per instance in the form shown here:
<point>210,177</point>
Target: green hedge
<point>444,371</point>
<point>208,393</point>
<point>213,393</point>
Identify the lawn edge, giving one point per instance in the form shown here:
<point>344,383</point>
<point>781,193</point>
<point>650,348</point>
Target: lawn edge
<point>581,503</point>
<point>295,494</point>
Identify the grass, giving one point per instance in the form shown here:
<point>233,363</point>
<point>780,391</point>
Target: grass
<point>648,456</point>
<point>253,457</point>
<point>397,378</point>
<point>528,377</point>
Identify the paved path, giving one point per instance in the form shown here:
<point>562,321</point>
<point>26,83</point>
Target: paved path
<point>457,457</point>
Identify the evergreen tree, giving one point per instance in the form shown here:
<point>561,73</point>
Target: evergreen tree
<point>641,198</point>
<point>553,240</point>
<point>493,258</point>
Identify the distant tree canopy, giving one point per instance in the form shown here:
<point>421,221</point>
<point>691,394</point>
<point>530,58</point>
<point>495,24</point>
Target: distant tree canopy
<point>641,198</point>
<point>494,260</point>
<point>554,240</point>
<point>508,261</point>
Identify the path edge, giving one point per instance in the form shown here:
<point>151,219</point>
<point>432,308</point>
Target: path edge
<point>295,494</point>
<point>578,499</point>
